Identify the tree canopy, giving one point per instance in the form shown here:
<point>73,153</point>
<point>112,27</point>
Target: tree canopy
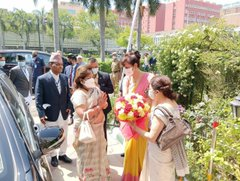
<point>87,27</point>
<point>122,40</point>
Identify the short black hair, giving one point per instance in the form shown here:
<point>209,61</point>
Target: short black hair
<point>20,58</point>
<point>73,57</point>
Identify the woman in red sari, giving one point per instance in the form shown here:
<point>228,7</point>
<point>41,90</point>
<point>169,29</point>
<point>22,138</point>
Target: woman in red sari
<point>135,81</point>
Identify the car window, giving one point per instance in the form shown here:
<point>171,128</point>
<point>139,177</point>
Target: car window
<point>44,57</point>
<point>8,83</point>
<point>21,116</point>
<point>10,58</point>
<point>6,164</point>
<point>28,57</point>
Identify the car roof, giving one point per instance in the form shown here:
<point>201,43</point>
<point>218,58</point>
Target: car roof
<point>28,51</point>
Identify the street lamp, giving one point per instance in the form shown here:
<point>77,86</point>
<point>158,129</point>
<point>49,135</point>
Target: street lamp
<point>236,107</point>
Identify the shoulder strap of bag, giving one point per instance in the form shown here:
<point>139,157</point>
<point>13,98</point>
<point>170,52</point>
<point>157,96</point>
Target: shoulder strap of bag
<point>165,112</point>
<point>168,115</point>
<point>84,116</point>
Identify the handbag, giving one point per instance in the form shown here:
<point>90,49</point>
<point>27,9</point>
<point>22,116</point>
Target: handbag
<point>176,129</point>
<point>86,132</point>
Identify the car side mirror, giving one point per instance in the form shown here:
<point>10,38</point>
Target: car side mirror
<point>50,138</point>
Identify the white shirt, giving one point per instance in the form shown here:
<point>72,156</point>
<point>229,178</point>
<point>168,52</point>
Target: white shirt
<point>57,81</point>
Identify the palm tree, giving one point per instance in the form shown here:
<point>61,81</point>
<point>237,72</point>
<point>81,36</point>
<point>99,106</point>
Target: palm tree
<point>103,6</point>
<point>3,25</point>
<point>125,5</point>
<point>41,25</point>
<point>55,24</point>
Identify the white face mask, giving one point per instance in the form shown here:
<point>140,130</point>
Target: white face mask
<point>90,83</point>
<point>94,70</point>
<point>21,64</point>
<point>151,94</point>
<point>2,63</point>
<point>128,71</point>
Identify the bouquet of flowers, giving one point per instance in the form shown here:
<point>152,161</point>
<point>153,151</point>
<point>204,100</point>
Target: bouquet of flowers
<point>131,107</point>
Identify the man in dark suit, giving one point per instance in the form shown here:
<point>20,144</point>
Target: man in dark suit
<point>38,67</point>
<point>53,102</point>
<point>105,84</point>
<point>21,76</point>
<point>70,72</point>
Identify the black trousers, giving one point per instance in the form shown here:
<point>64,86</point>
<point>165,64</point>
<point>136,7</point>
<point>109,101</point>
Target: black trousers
<point>105,126</point>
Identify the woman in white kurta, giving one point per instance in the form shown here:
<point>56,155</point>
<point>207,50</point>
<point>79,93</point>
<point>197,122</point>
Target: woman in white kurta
<point>161,165</point>
<point>92,163</point>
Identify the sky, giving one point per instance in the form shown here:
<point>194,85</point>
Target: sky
<point>28,5</point>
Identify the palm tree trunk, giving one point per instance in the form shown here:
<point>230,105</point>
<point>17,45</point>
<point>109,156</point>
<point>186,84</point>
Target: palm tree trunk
<point>102,31</point>
<point>38,30</point>
<point>139,30</point>
<point>43,41</point>
<point>3,39</point>
<point>2,45</point>
<point>55,25</point>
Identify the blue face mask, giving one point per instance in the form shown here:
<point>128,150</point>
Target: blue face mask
<point>2,63</point>
<point>21,64</point>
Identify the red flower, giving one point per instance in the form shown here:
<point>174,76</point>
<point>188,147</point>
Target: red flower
<point>140,104</point>
<point>128,108</point>
<point>121,99</point>
<point>215,124</point>
<point>133,97</point>
<point>136,114</point>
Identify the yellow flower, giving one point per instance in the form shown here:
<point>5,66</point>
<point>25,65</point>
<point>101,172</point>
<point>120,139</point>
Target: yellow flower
<point>122,116</point>
<point>146,107</point>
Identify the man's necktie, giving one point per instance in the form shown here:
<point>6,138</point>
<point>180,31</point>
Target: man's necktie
<point>25,71</point>
<point>70,78</point>
<point>58,84</point>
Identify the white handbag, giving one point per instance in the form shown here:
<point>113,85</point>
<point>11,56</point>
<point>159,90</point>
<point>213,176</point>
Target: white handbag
<point>86,132</point>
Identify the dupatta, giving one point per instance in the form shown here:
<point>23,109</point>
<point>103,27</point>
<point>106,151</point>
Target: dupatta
<point>126,130</point>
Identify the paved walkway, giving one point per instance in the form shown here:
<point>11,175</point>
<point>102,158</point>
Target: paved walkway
<point>68,172</point>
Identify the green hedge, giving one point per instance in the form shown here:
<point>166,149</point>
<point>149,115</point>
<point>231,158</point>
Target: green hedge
<point>105,66</point>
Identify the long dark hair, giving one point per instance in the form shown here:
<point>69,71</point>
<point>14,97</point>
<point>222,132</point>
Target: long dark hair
<point>132,58</point>
<point>163,83</point>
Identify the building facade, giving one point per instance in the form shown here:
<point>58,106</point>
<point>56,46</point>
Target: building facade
<point>231,13</point>
<point>72,8</point>
<point>178,14</point>
<point>123,20</point>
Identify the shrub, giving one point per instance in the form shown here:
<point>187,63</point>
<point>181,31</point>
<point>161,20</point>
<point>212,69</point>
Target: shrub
<point>105,66</point>
<point>226,157</point>
<point>201,60</point>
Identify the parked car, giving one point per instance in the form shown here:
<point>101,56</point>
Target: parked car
<point>23,145</point>
<point>10,56</point>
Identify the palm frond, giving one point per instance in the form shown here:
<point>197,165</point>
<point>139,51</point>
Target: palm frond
<point>153,6</point>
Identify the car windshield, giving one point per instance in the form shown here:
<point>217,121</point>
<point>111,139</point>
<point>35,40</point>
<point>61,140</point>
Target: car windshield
<point>11,57</point>
<point>22,117</point>
<point>6,164</point>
